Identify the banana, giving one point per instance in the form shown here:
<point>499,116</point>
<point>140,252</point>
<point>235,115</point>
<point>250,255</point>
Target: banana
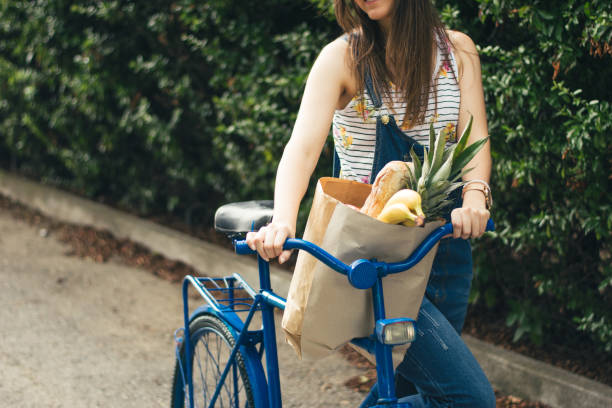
<point>412,201</point>
<point>395,213</point>
<point>409,198</point>
<point>409,223</point>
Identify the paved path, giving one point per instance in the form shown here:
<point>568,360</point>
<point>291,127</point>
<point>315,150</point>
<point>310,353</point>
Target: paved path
<point>508,371</point>
<point>76,333</point>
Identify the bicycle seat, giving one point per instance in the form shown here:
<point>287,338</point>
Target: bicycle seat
<point>242,217</point>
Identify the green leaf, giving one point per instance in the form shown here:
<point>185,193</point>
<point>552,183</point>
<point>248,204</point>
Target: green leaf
<point>441,192</point>
<point>520,331</point>
<point>448,152</point>
<point>458,175</point>
<point>491,297</point>
<point>467,154</point>
<point>425,169</point>
<point>438,210</point>
<point>432,142</point>
<point>438,153</point>
<point>546,15</point>
<point>418,167</point>
<point>465,135</point>
<point>443,172</point>
<point>412,180</point>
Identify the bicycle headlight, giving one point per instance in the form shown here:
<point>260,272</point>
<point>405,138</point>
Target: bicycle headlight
<point>396,331</point>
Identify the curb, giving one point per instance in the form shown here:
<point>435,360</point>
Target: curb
<point>526,377</point>
<point>208,259</point>
<point>508,371</point>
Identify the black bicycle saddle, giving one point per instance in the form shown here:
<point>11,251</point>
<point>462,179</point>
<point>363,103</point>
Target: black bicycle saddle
<point>242,217</point>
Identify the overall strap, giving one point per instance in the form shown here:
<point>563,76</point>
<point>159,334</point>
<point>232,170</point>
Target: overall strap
<point>336,165</point>
<point>369,86</point>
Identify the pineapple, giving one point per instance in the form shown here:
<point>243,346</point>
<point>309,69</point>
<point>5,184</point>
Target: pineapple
<point>441,171</point>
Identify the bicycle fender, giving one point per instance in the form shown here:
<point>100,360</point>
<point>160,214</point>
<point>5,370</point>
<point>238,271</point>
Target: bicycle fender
<point>226,315</point>
<point>256,374</point>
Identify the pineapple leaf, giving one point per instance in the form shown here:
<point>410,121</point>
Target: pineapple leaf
<point>438,152</point>
<point>443,172</point>
<point>420,185</point>
<point>433,200</point>
<point>453,186</point>
<point>438,210</point>
<point>412,179</point>
<point>432,142</point>
<point>418,167</point>
<point>437,192</point>
<point>424,195</point>
<point>467,154</point>
<point>465,135</point>
<point>448,152</point>
<point>425,170</point>
<point>459,174</point>
<point>439,206</point>
<point>439,185</point>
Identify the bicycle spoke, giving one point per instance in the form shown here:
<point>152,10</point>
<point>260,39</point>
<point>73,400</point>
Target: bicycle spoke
<point>218,365</point>
<point>202,377</point>
<point>212,347</point>
<point>226,385</point>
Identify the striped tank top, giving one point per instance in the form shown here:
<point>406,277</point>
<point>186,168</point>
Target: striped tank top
<point>354,127</point>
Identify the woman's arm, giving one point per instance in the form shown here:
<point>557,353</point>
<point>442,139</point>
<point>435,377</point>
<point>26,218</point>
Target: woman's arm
<point>470,220</point>
<point>326,83</point>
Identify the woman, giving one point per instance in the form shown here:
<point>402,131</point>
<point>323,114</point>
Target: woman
<point>397,60</point>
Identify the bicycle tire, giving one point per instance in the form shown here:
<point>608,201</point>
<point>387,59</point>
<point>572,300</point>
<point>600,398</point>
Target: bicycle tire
<point>210,334</point>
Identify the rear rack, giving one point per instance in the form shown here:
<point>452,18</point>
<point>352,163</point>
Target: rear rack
<point>228,293</point>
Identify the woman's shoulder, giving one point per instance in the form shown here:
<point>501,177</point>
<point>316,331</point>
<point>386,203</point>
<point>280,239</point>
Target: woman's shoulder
<point>336,48</point>
<point>461,39</point>
<point>335,55</point>
<point>332,65</point>
<point>463,47</point>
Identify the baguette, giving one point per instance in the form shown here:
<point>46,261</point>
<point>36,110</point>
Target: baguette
<point>391,178</point>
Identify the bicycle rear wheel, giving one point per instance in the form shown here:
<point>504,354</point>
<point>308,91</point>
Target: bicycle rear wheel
<point>211,345</point>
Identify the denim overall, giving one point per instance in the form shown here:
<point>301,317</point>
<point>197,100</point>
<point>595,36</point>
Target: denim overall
<point>438,368</point>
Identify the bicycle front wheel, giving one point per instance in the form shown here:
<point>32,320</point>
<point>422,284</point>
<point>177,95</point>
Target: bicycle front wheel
<point>211,345</point>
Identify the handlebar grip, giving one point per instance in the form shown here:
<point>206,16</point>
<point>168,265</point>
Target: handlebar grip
<point>490,225</point>
<point>242,248</point>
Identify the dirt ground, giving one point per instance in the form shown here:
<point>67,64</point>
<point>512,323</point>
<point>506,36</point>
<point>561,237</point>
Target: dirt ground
<point>77,333</point>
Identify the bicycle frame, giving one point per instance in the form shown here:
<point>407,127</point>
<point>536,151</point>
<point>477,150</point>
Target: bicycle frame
<point>361,273</point>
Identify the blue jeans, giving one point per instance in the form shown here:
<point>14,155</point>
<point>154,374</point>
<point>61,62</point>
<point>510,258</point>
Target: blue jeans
<point>438,369</point>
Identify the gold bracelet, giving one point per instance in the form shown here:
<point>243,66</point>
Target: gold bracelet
<point>485,190</point>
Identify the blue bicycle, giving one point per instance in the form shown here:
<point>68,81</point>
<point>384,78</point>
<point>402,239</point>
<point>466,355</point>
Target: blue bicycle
<point>219,357</point>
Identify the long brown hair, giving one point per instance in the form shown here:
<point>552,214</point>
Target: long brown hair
<point>404,56</point>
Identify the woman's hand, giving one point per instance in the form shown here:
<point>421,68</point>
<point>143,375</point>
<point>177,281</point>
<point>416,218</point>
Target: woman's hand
<point>470,221</point>
<point>269,240</point>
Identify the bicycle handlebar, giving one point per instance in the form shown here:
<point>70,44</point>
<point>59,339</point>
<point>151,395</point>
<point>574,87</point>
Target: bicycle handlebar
<point>428,243</point>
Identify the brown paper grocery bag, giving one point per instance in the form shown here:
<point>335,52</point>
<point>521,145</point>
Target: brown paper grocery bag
<point>323,310</point>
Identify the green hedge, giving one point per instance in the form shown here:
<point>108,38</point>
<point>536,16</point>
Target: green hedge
<point>161,107</point>
<point>550,111</point>
<point>176,107</point>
